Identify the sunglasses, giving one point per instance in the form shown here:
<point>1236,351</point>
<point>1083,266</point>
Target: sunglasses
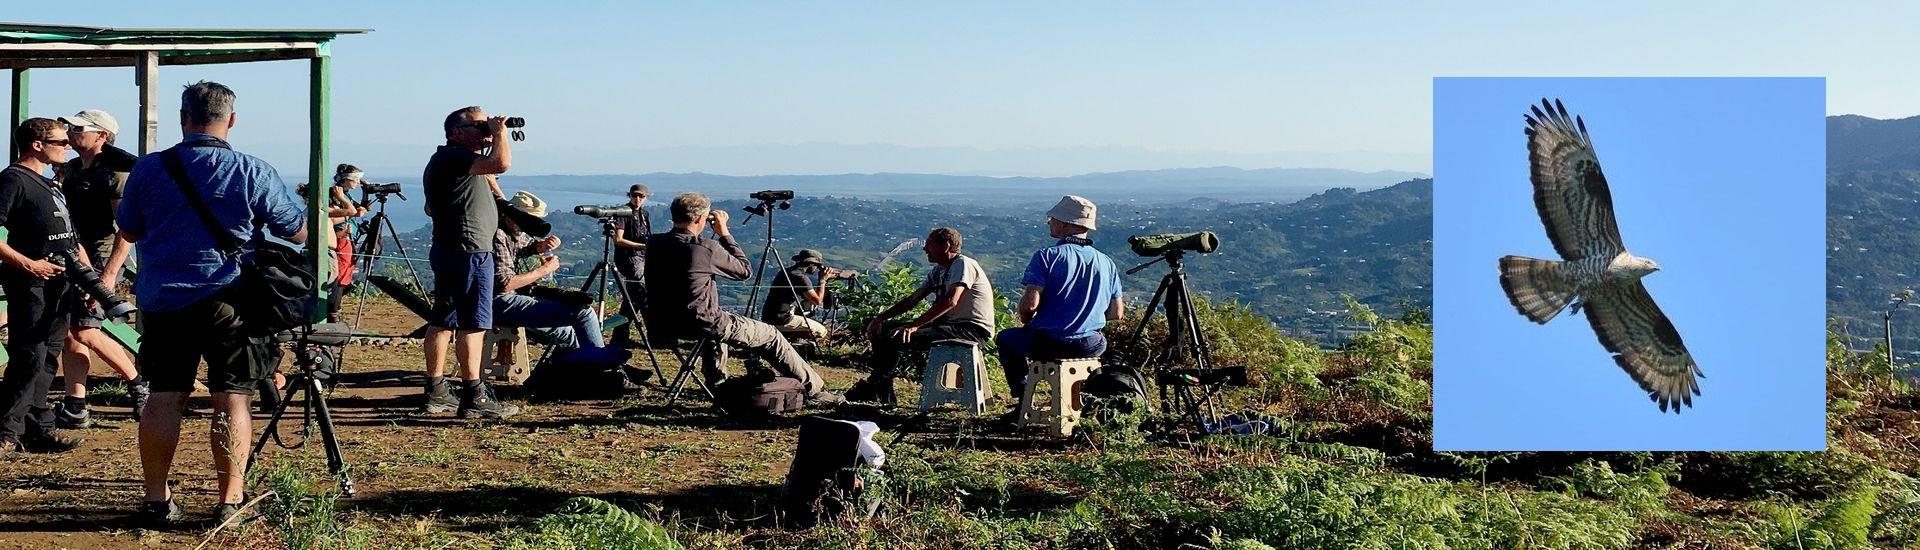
<point>637,195</point>
<point>55,142</point>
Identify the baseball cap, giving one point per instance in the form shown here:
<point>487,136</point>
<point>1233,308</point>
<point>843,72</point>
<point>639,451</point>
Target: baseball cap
<point>93,120</point>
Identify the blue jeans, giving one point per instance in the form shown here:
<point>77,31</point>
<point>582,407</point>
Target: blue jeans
<point>567,326</point>
<point>1018,344</point>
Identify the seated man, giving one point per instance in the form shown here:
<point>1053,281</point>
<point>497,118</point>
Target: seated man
<point>1072,291</point>
<point>794,293</point>
<point>962,310</point>
<point>683,304</point>
<point>570,326</point>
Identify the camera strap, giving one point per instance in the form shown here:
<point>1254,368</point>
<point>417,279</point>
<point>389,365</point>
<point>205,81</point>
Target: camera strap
<point>170,160</point>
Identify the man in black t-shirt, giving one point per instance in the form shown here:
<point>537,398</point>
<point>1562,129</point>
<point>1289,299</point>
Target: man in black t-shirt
<point>461,195</point>
<point>38,305</point>
<point>630,257</point>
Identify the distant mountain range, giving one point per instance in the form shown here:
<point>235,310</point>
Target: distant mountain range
<point>1224,184</point>
<point>1873,225</point>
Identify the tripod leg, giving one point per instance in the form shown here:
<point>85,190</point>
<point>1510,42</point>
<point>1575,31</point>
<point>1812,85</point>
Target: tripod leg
<point>402,249</point>
<point>273,423</point>
<point>633,320</point>
<point>336,463</point>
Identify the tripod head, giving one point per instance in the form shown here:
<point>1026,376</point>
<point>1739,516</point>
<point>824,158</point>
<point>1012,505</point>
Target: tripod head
<point>1172,257</point>
<point>769,200</point>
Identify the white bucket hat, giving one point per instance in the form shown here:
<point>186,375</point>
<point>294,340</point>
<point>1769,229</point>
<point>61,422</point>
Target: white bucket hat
<point>527,202</point>
<point>1074,210</point>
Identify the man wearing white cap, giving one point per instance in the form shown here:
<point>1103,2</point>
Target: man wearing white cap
<point>93,184</point>
<point>1072,291</point>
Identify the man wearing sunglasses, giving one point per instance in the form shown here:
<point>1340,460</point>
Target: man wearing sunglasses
<point>462,196</point>
<point>630,256</point>
<point>38,301</point>
<point>93,183</point>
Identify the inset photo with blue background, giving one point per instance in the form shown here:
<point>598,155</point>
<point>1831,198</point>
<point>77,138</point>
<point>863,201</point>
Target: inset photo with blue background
<point>1636,264</point>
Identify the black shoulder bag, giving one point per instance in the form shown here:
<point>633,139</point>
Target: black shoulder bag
<point>275,284</point>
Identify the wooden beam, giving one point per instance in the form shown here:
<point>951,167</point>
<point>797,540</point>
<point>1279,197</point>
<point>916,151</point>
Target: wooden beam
<point>75,47</point>
<point>319,183</point>
<point>18,113</point>
<point>146,74</point>
<point>134,60</point>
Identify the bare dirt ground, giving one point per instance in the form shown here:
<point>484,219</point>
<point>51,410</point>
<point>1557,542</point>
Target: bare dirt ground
<point>430,480</point>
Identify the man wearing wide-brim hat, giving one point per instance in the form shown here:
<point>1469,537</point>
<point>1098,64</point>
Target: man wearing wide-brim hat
<point>572,328</point>
<point>1072,291</point>
<point>796,291</point>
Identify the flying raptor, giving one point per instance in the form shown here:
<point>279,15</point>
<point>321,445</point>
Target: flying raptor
<point>1596,273</point>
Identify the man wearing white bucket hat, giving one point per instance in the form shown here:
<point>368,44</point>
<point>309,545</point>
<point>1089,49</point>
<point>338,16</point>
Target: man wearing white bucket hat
<point>1072,291</point>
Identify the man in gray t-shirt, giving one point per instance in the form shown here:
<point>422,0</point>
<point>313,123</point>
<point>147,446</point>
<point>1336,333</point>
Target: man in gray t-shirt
<point>962,310</point>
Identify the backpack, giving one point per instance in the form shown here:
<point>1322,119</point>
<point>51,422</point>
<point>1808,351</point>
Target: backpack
<point>760,394</point>
<point>275,285</point>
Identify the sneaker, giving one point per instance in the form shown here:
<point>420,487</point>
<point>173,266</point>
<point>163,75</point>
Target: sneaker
<point>139,392</point>
<point>440,398</point>
<point>157,515</point>
<point>50,442</point>
<point>67,418</point>
<point>827,399</point>
<point>479,402</point>
<point>234,512</point>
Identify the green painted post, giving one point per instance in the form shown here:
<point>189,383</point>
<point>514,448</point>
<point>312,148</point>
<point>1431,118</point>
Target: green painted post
<point>19,111</point>
<point>319,184</point>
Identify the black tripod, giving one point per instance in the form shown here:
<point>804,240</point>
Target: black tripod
<point>765,209</point>
<point>313,352</point>
<point>372,230</point>
<point>605,274</point>
<point>1186,392</point>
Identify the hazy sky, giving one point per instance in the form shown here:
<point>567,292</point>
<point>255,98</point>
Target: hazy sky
<point>1720,181</point>
<point>965,88</point>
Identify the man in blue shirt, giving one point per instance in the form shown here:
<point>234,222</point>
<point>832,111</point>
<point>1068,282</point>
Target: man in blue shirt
<point>187,292</point>
<point>1072,291</point>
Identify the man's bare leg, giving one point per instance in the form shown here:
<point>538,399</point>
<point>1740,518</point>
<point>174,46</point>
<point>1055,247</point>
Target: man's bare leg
<point>437,340</point>
<point>159,437</point>
<point>471,348</point>
<point>232,433</point>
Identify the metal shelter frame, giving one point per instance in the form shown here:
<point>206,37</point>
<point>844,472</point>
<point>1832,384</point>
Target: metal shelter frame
<point>24,47</point>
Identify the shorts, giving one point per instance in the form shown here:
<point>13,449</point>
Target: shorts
<point>85,316</point>
<point>174,343</point>
<point>462,290</point>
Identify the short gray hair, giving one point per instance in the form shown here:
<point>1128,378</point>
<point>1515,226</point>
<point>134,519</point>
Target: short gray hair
<point>688,207</point>
<point>205,103</point>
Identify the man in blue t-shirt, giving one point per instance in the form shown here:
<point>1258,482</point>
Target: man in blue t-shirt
<point>1072,291</point>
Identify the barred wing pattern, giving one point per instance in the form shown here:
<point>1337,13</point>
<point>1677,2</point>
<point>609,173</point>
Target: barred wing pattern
<point>1568,187</point>
<point>1644,343</point>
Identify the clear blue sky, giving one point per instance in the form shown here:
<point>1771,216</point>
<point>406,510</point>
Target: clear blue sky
<point>1721,181</point>
<point>1049,89</point>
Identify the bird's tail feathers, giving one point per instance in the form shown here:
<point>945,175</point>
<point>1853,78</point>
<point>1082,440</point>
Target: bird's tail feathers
<point>1538,288</point>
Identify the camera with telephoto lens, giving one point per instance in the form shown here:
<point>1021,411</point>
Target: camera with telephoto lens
<point>1155,245</point>
<point>380,188</point>
<point>84,276</point>
<point>589,210</point>
<point>844,275</point>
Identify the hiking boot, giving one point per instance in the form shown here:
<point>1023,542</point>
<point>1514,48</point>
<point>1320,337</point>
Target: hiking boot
<point>477,401</point>
<point>636,375</point>
<point>50,442</point>
<point>72,415</point>
<point>234,512</point>
<point>157,515</point>
<point>440,398</point>
<point>873,390</point>
<point>138,392</point>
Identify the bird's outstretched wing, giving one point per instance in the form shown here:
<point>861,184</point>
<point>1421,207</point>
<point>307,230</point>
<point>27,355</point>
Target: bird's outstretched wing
<point>1644,343</point>
<point>1568,187</point>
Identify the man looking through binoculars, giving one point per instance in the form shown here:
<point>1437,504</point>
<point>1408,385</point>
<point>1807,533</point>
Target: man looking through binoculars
<point>795,293</point>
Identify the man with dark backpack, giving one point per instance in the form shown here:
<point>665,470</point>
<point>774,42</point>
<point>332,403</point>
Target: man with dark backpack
<point>190,301</point>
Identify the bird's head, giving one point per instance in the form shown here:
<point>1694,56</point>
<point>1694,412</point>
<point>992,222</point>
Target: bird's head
<point>1644,266</point>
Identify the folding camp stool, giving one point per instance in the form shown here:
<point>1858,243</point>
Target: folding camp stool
<point>1052,398</point>
<point>954,375</point>
<point>689,368</point>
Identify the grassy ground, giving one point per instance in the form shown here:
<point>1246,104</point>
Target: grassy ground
<point>1346,467</point>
